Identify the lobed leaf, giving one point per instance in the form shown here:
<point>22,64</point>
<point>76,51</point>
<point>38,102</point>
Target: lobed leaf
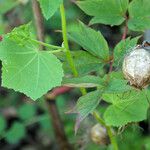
<point>125,108</point>
<point>28,70</point>
<point>111,12</point>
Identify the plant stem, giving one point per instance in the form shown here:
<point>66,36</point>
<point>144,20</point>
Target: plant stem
<point>47,45</point>
<point>55,51</point>
<point>66,45</point>
<point>125,29</point>
<point>109,130</point>
<point>65,39</point>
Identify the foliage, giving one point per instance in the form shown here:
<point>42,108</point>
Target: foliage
<point>47,4</point>
<point>105,11</point>
<point>97,65</point>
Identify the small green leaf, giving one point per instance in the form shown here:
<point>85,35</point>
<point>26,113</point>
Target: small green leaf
<point>139,14</point>
<point>26,111</point>
<point>91,40</point>
<point>127,107</point>
<point>49,7</point>
<point>2,124</point>
<point>86,81</point>
<point>28,70</point>
<point>122,48</point>
<point>86,105</point>
<point>15,133</point>
<point>109,12</point>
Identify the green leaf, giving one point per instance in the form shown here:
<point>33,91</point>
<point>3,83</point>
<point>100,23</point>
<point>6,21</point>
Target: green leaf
<point>7,5</point>
<point>49,7</point>
<point>85,81</point>
<point>15,133</point>
<point>84,62</point>
<point>117,83</point>
<point>139,14</point>
<point>116,75</point>
<point>118,86</point>
<point>28,70</point>
<point>109,12</point>
<point>122,48</point>
<point>127,107</point>
<point>91,40</point>
<point>2,124</point>
<point>86,105</point>
<point>26,111</point>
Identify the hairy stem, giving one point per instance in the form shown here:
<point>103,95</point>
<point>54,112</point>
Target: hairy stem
<point>66,45</point>
<point>65,39</point>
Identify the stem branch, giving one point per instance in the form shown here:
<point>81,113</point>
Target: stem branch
<point>65,39</point>
<point>109,130</point>
<point>47,45</point>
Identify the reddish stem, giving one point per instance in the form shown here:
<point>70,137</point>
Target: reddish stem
<point>111,66</point>
<point>1,38</point>
<point>123,38</point>
<point>125,29</point>
<point>57,91</point>
<point>38,21</point>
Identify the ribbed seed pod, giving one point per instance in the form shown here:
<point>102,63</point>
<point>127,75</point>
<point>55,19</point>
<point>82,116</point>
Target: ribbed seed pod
<point>99,135</point>
<point>136,67</point>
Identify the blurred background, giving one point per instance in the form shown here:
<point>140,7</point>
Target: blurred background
<point>27,125</point>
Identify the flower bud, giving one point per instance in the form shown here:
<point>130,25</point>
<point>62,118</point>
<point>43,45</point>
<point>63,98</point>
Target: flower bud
<point>99,135</point>
<point>136,67</point>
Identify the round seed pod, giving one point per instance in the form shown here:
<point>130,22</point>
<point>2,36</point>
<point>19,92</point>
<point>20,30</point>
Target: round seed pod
<point>99,135</point>
<point>136,67</point>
